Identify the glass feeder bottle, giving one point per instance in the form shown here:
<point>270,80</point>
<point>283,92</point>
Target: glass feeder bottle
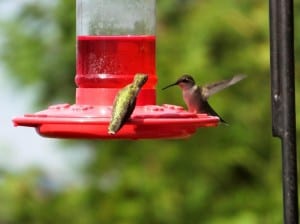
<point>115,40</point>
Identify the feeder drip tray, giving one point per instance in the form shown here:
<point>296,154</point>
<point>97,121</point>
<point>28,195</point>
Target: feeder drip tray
<point>88,121</point>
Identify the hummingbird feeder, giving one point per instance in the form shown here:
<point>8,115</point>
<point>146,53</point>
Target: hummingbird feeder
<point>115,41</point>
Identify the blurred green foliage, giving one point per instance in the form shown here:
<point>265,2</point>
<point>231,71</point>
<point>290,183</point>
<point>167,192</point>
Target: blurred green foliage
<point>218,176</point>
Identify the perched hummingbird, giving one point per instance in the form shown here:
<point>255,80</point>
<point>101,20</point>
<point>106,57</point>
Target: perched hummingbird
<point>124,103</point>
<point>195,97</point>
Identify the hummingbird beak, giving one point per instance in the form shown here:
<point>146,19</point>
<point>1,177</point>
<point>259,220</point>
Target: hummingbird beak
<point>174,84</point>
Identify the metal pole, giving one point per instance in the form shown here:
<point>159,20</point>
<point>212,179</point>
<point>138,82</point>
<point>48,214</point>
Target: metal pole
<point>283,100</point>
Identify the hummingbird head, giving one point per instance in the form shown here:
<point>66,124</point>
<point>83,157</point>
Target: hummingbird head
<point>140,79</point>
<point>184,82</point>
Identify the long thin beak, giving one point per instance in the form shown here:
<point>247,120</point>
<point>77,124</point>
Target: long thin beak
<point>174,84</point>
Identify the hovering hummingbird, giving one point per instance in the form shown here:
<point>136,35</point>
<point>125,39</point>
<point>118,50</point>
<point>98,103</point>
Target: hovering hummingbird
<point>195,97</point>
<point>124,103</point>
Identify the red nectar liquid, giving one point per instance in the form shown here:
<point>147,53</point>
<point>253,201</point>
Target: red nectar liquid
<point>112,61</point>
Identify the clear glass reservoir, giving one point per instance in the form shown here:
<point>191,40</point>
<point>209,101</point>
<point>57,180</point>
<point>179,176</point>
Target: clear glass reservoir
<point>115,40</point>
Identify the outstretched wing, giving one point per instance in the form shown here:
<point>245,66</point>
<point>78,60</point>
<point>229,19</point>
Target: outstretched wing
<point>210,89</point>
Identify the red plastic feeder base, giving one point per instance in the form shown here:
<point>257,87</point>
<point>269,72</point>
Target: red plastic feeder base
<point>86,121</point>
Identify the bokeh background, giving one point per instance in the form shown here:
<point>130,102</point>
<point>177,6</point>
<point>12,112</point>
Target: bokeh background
<point>229,174</point>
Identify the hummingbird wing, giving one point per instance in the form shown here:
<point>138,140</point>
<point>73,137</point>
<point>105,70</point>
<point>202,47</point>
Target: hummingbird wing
<point>210,89</point>
<point>131,107</point>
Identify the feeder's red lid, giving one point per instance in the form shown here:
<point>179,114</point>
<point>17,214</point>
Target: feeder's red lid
<point>86,121</point>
